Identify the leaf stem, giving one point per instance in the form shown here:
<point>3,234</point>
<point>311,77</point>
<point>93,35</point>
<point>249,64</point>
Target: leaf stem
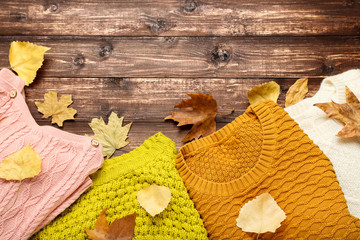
<point>17,194</point>
<point>227,112</point>
<point>257,237</point>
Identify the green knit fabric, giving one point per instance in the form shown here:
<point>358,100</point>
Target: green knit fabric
<point>115,187</point>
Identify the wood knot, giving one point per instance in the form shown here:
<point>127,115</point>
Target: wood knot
<point>79,60</point>
<point>18,16</point>
<point>158,25</point>
<point>105,51</point>
<point>327,67</point>
<point>220,56</point>
<point>349,3</point>
<point>190,5</point>
<point>54,8</point>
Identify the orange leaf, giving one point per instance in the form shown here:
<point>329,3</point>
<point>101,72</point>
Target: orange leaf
<point>120,229</point>
<point>200,111</point>
<point>347,113</point>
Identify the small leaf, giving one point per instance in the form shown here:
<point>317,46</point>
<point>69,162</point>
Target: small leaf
<point>58,110</point>
<point>264,91</point>
<point>347,113</point>
<point>26,58</point>
<point>200,111</point>
<point>296,92</point>
<point>154,199</point>
<point>119,229</point>
<point>111,136</point>
<point>260,215</point>
<point>25,163</point>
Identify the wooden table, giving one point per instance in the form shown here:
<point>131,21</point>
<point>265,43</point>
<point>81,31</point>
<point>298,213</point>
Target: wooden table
<point>140,58</point>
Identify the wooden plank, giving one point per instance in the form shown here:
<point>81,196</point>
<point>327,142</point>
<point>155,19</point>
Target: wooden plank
<point>179,17</point>
<point>187,57</point>
<point>146,102</point>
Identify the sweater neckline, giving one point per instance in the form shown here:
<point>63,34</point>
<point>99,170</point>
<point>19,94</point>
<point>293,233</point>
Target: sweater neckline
<point>264,112</point>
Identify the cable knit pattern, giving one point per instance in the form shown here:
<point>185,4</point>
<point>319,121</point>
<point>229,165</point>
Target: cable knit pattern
<point>344,153</point>
<point>67,160</point>
<point>274,155</point>
<point>115,188</point>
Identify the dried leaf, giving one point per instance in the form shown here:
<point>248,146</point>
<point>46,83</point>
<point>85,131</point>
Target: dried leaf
<point>154,199</point>
<point>296,92</point>
<point>58,110</point>
<point>260,215</point>
<point>119,229</point>
<point>201,111</point>
<point>25,163</point>
<point>26,58</point>
<point>111,136</point>
<point>264,91</point>
<point>347,113</point>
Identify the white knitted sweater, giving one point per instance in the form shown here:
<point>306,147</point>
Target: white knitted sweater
<point>343,153</point>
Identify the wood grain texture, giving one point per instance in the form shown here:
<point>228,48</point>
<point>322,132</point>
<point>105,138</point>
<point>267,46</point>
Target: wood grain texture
<point>222,57</point>
<point>179,17</point>
<point>146,101</point>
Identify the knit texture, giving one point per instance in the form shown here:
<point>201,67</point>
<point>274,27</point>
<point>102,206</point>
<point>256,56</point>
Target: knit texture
<point>67,160</point>
<point>264,150</point>
<point>343,153</point>
<point>115,188</point>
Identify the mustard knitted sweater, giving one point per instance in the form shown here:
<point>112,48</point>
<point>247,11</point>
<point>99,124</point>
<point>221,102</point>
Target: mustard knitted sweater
<point>115,188</point>
<point>264,150</point>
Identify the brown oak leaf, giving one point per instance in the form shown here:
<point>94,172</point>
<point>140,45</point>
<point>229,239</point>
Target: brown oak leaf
<point>347,113</point>
<point>119,229</point>
<point>200,111</point>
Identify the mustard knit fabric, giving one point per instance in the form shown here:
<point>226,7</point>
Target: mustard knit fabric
<point>115,188</point>
<point>264,150</point>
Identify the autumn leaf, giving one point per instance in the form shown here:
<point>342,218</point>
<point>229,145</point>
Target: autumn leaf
<point>264,91</point>
<point>200,111</point>
<point>25,163</point>
<point>58,110</point>
<point>25,59</point>
<point>347,113</point>
<point>260,215</point>
<point>111,136</point>
<point>119,229</point>
<point>296,92</point>
<point>154,198</point>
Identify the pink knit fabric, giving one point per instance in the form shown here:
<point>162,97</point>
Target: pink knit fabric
<point>67,160</point>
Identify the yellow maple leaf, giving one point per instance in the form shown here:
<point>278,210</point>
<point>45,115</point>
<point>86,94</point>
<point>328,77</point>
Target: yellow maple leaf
<point>264,91</point>
<point>260,215</point>
<point>26,58</point>
<point>154,198</point>
<point>111,136</point>
<point>58,110</point>
<point>25,163</point>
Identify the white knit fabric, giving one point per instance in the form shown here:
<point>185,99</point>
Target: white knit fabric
<point>344,153</point>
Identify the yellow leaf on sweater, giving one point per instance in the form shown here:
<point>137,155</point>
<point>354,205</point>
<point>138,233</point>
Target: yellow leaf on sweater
<point>25,163</point>
<point>264,91</point>
<point>154,199</point>
<point>296,92</point>
<point>119,229</point>
<point>260,215</point>
<point>58,110</point>
<point>111,136</point>
<point>25,59</point>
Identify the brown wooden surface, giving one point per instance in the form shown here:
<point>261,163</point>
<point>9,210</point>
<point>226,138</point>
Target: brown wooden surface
<point>140,58</point>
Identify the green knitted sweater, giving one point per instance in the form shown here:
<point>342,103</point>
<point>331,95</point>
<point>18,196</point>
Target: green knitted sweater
<point>115,187</point>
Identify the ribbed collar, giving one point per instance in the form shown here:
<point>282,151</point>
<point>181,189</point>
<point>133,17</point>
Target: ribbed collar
<point>264,112</point>
<point>152,149</point>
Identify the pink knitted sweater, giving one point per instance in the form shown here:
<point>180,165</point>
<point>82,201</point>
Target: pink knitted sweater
<point>67,160</point>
